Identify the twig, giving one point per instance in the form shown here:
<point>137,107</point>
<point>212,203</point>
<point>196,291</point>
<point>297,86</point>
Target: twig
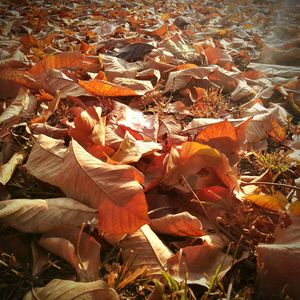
<point>271,183</point>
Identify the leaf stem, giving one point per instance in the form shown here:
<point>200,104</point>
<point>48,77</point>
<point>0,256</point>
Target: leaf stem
<point>271,183</point>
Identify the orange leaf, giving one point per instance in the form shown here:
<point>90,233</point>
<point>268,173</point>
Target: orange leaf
<point>106,89</point>
<point>19,76</point>
<point>62,60</point>
<point>200,165</point>
<point>276,202</point>
<point>218,56</point>
<point>185,66</point>
<point>89,127</point>
<point>223,137</point>
<point>115,190</point>
<point>294,208</point>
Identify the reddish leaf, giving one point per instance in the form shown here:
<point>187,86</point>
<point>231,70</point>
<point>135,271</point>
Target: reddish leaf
<point>106,89</point>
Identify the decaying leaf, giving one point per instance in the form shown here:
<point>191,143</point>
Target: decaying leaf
<point>143,247</point>
<point>115,190</point>
<point>279,264</point>
<point>7,170</point>
<point>182,224</point>
<point>199,264</point>
<point>78,248</point>
<point>41,215</point>
<point>58,289</point>
<point>276,202</point>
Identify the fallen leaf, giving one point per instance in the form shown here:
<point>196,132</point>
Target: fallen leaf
<point>278,264</point>
<point>106,89</point>
<point>144,248</point>
<point>189,159</point>
<point>197,264</point>
<point>7,169</point>
<point>41,215</point>
<point>131,150</point>
<point>224,137</point>
<point>276,202</point>
<point>135,51</point>
<point>89,127</point>
<point>182,224</point>
<point>58,289</point>
<point>78,248</point>
<point>115,190</point>
<point>22,103</point>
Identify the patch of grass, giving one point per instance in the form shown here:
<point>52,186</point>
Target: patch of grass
<point>212,105</point>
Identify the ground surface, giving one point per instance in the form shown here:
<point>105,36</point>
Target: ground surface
<point>149,149</point>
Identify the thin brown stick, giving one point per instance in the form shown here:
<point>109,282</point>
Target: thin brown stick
<point>271,183</point>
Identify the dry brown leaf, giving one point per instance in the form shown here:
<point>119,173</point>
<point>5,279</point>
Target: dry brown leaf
<point>141,87</point>
<point>199,264</point>
<point>136,122</point>
<point>278,264</point>
<point>58,289</point>
<point>115,190</point>
<point>131,150</point>
<point>22,103</point>
<point>117,67</point>
<point>64,242</point>
<point>143,247</point>
<point>179,79</point>
<point>276,202</point>
<point>41,215</point>
<point>182,224</point>
<point>7,170</point>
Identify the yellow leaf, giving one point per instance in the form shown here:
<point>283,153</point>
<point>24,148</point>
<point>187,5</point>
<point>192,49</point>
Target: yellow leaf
<point>276,202</point>
<point>294,208</point>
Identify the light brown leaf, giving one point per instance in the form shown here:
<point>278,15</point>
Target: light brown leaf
<point>141,87</point>
<point>199,264</point>
<point>58,289</point>
<point>143,247</point>
<point>89,127</point>
<point>41,215</point>
<point>278,264</point>
<point>115,190</point>
<point>131,150</point>
<point>179,79</point>
<point>182,224</point>
<point>63,242</point>
<point>7,170</point>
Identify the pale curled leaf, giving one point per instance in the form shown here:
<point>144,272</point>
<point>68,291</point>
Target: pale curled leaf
<point>58,289</point>
<point>64,242</point>
<point>41,215</point>
<point>143,247</point>
<point>199,263</point>
<point>131,150</point>
<point>7,170</point>
<point>278,264</point>
<point>115,190</point>
<point>47,152</point>
<point>182,224</point>
<point>22,102</point>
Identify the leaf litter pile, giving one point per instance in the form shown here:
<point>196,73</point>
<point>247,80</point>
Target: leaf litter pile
<point>150,149</point>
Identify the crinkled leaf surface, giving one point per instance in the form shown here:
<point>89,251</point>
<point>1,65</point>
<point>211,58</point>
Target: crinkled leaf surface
<point>143,247</point>
<point>58,289</point>
<point>78,248</point>
<point>115,190</point>
<point>182,224</point>
<point>41,215</point>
